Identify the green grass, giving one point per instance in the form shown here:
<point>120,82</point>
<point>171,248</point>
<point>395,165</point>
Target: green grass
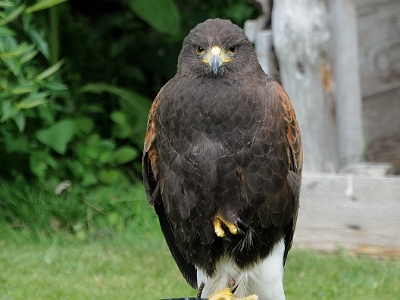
<point>136,268</point>
<point>108,246</point>
<point>140,267</point>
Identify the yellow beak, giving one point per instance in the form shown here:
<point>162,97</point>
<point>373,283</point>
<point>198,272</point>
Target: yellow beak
<point>216,57</point>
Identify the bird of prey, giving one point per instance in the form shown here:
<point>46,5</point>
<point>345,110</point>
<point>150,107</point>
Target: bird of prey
<point>222,167</point>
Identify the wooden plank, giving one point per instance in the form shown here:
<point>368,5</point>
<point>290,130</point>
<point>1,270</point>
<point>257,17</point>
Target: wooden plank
<point>379,46</point>
<point>347,82</point>
<point>362,4</point>
<point>381,114</point>
<point>349,210</point>
<point>382,127</point>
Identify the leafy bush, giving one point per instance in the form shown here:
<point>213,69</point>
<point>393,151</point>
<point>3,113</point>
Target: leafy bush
<point>61,139</point>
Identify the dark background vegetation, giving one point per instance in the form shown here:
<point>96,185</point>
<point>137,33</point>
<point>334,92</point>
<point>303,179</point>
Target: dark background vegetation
<point>76,83</point>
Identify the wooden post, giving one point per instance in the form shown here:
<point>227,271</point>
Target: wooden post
<point>263,47</point>
<point>262,38</point>
<point>347,82</point>
<point>303,42</point>
<point>316,44</point>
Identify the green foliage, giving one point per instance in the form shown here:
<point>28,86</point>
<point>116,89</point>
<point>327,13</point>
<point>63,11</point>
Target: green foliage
<point>56,124</point>
<point>130,121</point>
<point>161,15</point>
<point>116,207</point>
<point>43,4</point>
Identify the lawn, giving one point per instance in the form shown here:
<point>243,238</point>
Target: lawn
<point>140,267</point>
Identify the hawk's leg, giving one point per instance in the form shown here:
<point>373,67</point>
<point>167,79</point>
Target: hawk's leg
<point>200,291</point>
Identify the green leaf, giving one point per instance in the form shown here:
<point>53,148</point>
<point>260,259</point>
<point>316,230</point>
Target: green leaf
<point>76,168</point>
<point>162,15</point>
<point>89,178</point>
<point>13,15</point>
<point>54,85</point>
<point>19,50</point>
<point>6,4</point>
<point>124,154</point>
<point>105,150</point>
<point>28,56</point>
<point>33,100</point>
<point>122,129</point>
<point>39,41</point>
<point>6,31</point>
<point>19,119</point>
<point>118,117</point>
<point>37,163</point>
<point>24,88</point>
<point>57,136</point>
<point>46,73</point>
<point>84,125</point>
<point>43,4</point>
<point>13,65</point>
<point>82,152</point>
<point>9,110</point>
<point>111,177</point>
<point>140,104</point>
<point>15,143</point>
<point>4,85</point>
<point>97,149</point>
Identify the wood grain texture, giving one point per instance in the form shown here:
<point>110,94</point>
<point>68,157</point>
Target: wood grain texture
<point>379,46</point>
<point>363,5</point>
<point>347,82</point>
<point>381,115</point>
<point>317,49</point>
<point>352,211</point>
<point>303,41</point>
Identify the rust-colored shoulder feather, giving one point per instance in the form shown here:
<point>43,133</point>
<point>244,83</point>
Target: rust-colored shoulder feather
<point>149,162</point>
<point>293,131</point>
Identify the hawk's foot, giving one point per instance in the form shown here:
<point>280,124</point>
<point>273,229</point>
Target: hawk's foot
<point>226,294</point>
<point>233,228</point>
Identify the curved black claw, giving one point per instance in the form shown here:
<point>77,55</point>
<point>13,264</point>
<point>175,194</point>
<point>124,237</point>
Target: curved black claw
<point>242,227</point>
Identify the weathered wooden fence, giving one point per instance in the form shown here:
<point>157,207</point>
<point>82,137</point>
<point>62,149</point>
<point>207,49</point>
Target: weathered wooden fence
<point>339,60</point>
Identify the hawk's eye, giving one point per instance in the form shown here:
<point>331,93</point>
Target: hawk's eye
<point>199,49</point>
<point>233,50</point>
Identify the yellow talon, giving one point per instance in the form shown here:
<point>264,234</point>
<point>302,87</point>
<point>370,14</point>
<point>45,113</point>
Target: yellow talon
<point>232,228</point>
<point>218,220</point>
<point>217,228</point>
<point>226,294</point>
<point>251,297</point>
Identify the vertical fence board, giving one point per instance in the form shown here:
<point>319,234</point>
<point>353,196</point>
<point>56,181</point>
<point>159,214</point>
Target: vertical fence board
<point>347,82</point>
<point>303,42</point>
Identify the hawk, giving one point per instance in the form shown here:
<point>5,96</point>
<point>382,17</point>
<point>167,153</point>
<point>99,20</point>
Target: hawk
<point>222,167</point>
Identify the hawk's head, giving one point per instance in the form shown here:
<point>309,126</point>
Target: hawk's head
<point>216,47</point>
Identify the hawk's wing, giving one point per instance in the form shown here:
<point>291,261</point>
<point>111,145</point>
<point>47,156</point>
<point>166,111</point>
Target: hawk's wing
<point>295,156</point>
<point>152,187</point>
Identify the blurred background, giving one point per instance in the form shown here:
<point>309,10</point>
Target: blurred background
<point>77,79</point>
